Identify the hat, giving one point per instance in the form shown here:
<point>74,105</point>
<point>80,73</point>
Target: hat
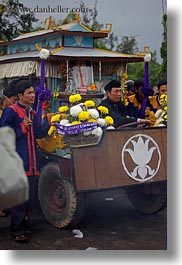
<point>111,84</point>
<point>130,85</point>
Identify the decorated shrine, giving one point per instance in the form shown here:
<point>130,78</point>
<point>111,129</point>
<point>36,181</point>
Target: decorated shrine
<point>74,64</point>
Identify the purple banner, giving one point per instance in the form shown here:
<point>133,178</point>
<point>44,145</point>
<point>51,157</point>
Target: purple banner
<point>74,129</point>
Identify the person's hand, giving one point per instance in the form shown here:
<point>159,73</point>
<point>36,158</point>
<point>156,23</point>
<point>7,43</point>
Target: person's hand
<point>144,122</point>
<point>27,121</point>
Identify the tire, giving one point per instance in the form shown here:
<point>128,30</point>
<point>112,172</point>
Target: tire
<point>146,199</point>
<point>60,204</point>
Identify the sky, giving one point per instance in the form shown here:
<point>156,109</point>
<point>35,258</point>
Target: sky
<point>133,18</point>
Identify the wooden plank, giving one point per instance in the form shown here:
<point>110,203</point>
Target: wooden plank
<point>84,169</point>
<point>102,169</point>
<point>110,164</point>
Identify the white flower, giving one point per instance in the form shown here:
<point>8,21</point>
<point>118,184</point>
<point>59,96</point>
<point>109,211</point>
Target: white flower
<point>64,122</point>
<point>44,54</point>
<point>158,113</point>
<point>110,128</point>
<point>93,113</point>
<point>159,121</point>
<point>101,122</point>
<point>75,110</point>
<point>159,125</point>
<point>97,132</point>
<point>147,58</point>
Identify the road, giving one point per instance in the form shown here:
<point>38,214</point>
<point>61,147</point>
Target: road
<point>111,223</point>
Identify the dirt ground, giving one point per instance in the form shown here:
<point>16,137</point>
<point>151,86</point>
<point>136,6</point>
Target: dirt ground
<point>111,223</point>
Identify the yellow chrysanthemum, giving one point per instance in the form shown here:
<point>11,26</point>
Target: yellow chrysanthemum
<point>109,120</point>
<point>103,110</point>
<point>75,122</point>
<point>83,116</point>
<point>163,96</point>
<point>92,120</point>
<point>124,75</point>
<point>63,109</point>
<point>51,130</point>
<point>89,103</point>
<point>126,102</point>
<point>56,118</point>
<point>74,98</point>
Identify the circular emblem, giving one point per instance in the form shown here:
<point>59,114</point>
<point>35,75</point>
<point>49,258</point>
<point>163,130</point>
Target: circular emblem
<point>141,157</point>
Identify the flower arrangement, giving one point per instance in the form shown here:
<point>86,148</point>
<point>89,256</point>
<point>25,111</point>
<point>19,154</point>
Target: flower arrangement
<point>161,114</point>
<point>84,119</point>
<point>124,96</point>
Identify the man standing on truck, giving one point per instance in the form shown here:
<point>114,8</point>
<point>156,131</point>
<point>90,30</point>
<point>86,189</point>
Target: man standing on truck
<point>116,108</point>
<point>24,121</point>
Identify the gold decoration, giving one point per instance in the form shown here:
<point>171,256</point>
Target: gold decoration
<point>77,17</point>
<point>49,23</point>
<point>144,52</point>
<point>107,30</point>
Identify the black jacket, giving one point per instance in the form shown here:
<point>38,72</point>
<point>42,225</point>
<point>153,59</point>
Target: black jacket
<point>118,112</point>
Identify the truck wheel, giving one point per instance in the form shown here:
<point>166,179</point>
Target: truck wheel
<point>146,199</point>
<point>59,202</point>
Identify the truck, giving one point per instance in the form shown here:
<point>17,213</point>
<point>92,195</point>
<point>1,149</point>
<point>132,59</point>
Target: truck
<point>133,159</point>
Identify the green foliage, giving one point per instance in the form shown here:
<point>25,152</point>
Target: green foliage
<point>136,70</point>
<point>68,19</point>
<point>163,49</point>
<point>15,19</point>
<point>128,45</point>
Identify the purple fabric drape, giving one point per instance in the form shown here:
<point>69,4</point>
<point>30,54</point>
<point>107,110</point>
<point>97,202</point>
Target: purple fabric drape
<point>147,91</point>
<point>42,93</point>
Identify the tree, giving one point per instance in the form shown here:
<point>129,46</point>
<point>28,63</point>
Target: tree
<point>127,45</point>
<point>163,49</point>
<point>136,70</point>
<point>15,18</point>
<point>111,40</point>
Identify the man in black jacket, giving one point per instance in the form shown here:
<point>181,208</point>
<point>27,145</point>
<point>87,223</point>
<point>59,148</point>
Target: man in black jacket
<point>116,108</point>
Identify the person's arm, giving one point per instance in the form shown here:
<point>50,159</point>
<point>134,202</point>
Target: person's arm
<point>119,120</point>
<point>10,119</point>
<point>41,130</point>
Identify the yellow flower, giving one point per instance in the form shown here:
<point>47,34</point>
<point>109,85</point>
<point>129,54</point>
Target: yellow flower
<point>89,103</point>
<point>126,102</point>
<point>63,109</point>
<point>103,110</point>
<point>109,120</point>
<point>124,75</point>
<point>162,96</point>
<point>83,115</point>
<point>165,108</point>
<point>56,118</point>
<point>165,117</point>
<point>75,122</point>
<point>74,98</point>
<point>92,120</point>
<point>51,130</point>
